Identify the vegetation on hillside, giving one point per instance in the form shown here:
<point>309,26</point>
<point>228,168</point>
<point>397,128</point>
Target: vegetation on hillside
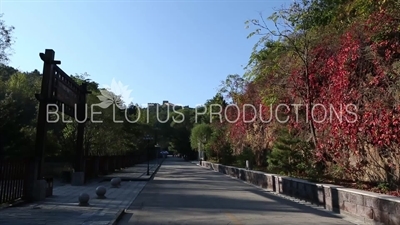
<point>341,56</point>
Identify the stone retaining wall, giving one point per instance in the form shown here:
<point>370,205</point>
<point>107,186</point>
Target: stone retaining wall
<point>370,207</point>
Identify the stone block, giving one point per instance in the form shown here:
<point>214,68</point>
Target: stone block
<point>394,219</point>
<point>356,198</point>
<point>39,190</point>
<point>365,212</point>
<point>371,202</point>
<point>397,209</point>
<point>78,179</point>
<point>270,180</point>
<point>350,207</point>
<point>380,216</point>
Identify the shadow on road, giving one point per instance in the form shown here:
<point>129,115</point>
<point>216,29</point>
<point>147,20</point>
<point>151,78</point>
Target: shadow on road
<point>182,190</point>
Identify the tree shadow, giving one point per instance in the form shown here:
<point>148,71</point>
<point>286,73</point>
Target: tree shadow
<point>179,190</point>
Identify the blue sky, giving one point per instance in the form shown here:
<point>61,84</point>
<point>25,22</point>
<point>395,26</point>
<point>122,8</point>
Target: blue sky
<point>162,50</point>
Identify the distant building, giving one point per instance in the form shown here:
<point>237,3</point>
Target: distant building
<point>152,104</point>
<point>167,103</point>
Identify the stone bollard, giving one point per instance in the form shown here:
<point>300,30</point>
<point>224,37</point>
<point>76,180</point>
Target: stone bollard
<point>119,180</point>
<point>101,192</point>
<point>83,199</point>
<point>114,183</point>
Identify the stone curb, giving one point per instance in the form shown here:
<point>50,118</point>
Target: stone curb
<point>345,216</point>
<point>117,218</point>
<point>14,204</point>
<point>137,178</point>
<point>122,212</point>
<point>156,170</point>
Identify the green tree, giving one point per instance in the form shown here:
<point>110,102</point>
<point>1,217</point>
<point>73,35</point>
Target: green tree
<point>201,133</point>
<point>6,41</point>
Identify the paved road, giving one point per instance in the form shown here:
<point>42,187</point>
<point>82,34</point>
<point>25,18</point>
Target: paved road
<point>183,193</point>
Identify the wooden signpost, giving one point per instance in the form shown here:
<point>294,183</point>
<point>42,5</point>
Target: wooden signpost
<point>60,89</point>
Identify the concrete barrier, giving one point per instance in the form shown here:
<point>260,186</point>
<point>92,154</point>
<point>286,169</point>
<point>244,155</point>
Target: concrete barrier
<point>372,208</point>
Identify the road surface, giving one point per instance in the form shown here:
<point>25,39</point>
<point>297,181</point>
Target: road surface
<point>183,193</point>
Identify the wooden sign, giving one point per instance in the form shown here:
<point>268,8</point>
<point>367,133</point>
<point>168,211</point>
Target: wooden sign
<point>66,93</point>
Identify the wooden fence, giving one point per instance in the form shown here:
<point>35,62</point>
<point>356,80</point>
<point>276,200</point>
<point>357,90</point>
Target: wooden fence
<point>13,179</point>
<point>102,165</point>
<point>14,173</point>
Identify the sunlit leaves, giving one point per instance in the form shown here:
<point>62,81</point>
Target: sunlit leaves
<point>6,41</point>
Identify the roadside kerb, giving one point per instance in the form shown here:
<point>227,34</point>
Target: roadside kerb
<point>123,211</point>
<point>357,205</point>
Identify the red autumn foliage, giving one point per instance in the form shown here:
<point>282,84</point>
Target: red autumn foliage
<point>358,76</point>
<point>354,89</point>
